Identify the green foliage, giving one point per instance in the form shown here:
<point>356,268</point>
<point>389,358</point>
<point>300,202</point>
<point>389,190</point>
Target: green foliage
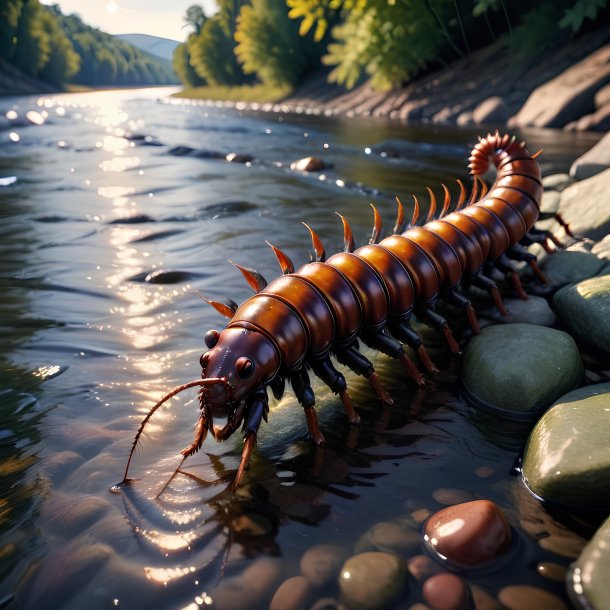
<point>269,44</point>
<point>183,68</point>
<point>10,11</point>
<point>483,6</point>
<point>62,62</point>
<point>583,9</point>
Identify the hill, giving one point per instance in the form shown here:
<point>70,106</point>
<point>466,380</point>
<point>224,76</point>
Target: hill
<point>155,45</point>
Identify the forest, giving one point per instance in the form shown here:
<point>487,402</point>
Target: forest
<point>278,43</point>
<point>60,49</point>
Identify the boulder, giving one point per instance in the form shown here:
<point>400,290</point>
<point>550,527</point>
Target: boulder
<point>602,249</point>
<point>585,205</point>
<point>556,182</point>
<point>588,583</point>
<point>594,161</point>
<point>602,97</point>
<point>567,96</point>
<point>535,310</point>
<point>491,110</point>
<point>585,309</point>
<point>568,266</point>
<point>518,370</point>
<point>567,455</point>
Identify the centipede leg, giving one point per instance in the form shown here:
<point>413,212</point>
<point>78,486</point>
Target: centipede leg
<point>336,382</point>
<point>504,265</point>
<point>518,252</point>
<point>565,225</point>
<point>307,399</point>
<point>393,348</point>
<point>535,236</point>
<point>431,318</point>
<point>354,360</point>
<point>405,333</point>
<point>455,298</point>
<point>484,283</point>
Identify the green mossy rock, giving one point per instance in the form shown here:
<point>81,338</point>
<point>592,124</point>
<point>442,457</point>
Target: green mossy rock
<point>520,369</point>
<point>588,577</point>
<point>567,455</point>
<point>568,267</point>
<point>585,308</point>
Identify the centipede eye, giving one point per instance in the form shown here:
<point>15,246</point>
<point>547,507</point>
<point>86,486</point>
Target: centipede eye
<point>203,361</point>
<point>211,338</point>
<point>244,367</point>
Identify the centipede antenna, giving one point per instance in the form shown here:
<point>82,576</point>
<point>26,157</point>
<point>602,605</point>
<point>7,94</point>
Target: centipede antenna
<point>286,264</point>
<point>318,247</point>
<point>349,245</point>
<point>475,191</point>
<point>446,201</point>
<point>227,309</point>
<point>400,218</point>
<point>537,154</point>
<point>376,226</point>
<point>177,390</point>
<point>256,281</point>
<point>432,208</point>
<point>415,211</point>
<point>462,199</point>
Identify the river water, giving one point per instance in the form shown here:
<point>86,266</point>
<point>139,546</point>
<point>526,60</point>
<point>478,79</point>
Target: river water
<point>108,233</point>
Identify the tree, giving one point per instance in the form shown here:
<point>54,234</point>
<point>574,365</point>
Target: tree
<point>182,67</point>
<point>10,11</point>
<point>62,62</point>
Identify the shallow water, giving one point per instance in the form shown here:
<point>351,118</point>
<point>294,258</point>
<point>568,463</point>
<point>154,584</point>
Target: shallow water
<point>106,239</point>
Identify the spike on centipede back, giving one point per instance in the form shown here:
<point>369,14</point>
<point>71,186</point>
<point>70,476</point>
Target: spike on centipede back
<point>292,326</point>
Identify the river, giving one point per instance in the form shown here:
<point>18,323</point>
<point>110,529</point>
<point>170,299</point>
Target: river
<point>109,232</point>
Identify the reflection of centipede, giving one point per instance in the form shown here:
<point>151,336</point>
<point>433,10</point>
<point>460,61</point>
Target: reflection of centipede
<point>297,322</point>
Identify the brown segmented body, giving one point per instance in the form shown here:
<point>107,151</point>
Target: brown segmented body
<point>295,323</point>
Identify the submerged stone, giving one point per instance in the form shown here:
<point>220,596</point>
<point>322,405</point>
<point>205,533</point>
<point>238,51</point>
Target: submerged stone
<point>585,308</point>
<point>520,369</point>
<point>588,583</point>
<point>469,535</point>
<point>447,592</point>
<point>567,455</point>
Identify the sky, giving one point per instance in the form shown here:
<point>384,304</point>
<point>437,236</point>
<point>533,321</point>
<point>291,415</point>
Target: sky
<point>155,17</point>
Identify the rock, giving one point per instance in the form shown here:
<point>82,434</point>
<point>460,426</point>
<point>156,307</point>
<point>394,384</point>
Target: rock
<point>469,535</point>
<point>588,577</point>
<point>596,121</point>
<point>483,600</point>
<point>565,546</point>
<point>555,182</point>
<point>308,164</point>
<point>371,581</point>
<point>602,97</point>
<point>602,249</point>
<point>552,571</point>
<point>526,597</point>
<point>238,158</point>
<point>535,310</point>
<point>422,567</point>
<point>180,151</point>
<point>585,309</point>
<point>464,119</point>
<point>321,563</point>
<point>567,455</point>
<point>395,538</point>
<point>447,592</point>
<point>584,206</point>
<point>594,161</point>
<point>491,110</point>
<point>164,276</point>
<point>569,267</point>
<point>567,96</point>
<point>550,202</point>
<point>293,594</point>
<point>451,495</point>
<point>520,369</point>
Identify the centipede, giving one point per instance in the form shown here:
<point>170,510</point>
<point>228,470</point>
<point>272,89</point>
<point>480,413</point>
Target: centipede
<point>306,318</point>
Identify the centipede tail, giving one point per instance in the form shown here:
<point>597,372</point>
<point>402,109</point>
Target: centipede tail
<point>327,307</point>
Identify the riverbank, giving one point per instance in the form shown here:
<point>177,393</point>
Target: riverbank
<point>567,88</point>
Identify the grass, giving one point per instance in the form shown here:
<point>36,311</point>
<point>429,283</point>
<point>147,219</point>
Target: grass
<point>243,93</point>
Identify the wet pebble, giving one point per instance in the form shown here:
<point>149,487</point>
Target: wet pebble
<point>238,158</point>
<point>293,594</point>
<point>308,164</point>
<point>371,581</point>
<point>447,592</point>
<point>526,597</point>
<point>162,276</point>
<point>420,515</point>
<point>535,310</point>
<point>451,495</point>
<point>469,535</point>
<point>552,571</point>
<point>483,600</point>
<point>422,567</point>
<point>566,546</point>
<point>419,606</point>
<point>321,563</point>
<point>395,538</point>
<point>485,471</point>
<point>327,603</point>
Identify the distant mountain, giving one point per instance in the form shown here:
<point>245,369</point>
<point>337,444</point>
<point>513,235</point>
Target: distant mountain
<point>161,47</point>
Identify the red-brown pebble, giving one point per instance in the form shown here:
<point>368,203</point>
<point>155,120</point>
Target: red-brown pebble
<point>526,597</point>
<point>469,535</point>
<point>447,592</point>
<point>422,567</point>
<point>484,471</point>
<point>552,571</point>
<point>451,495</point>
<point>293,594</point>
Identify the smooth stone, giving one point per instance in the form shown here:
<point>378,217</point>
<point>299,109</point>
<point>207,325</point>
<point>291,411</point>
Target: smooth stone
<point>526,597</point>
<point>556,182</point>
<point>585,309</point>
<point>238,158</point>
<point>321,563</point>
<point>535,310</point>
<point>491,110</point>
<point>371,581</point>
<point>483,600</point>
<point>469,535</point>
<point>422,567</point>
<point>308,164</point>
<point>565,546</point>
<point>293,594</point>
<point>602,249</point>
<point>451,495</point>
<point>420,515</point>
<point>567,455</point>
<point>327,603</point>
<point>584,206</point>
<point>419,607</point>
<point>588,576</point>
<point>594,161</point>
<point>485,471</point>
<point>395,538</point>
<point>520,369</point>
<point>552,571</point>
<point>568,267</point>
<point>447,592</point>
<point>550,202</point>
